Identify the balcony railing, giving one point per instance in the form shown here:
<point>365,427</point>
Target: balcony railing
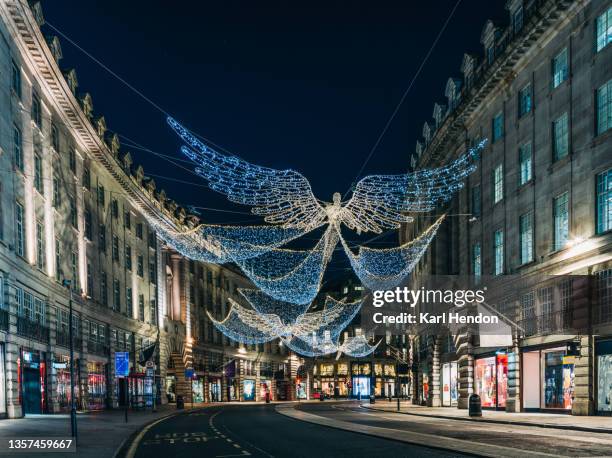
<point>63,338</point>
<point>32,329</point>
<point>547,324</point>
<point>97,348</point>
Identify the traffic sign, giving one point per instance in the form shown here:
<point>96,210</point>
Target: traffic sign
<point>150,364</point>
<point>122,363</point>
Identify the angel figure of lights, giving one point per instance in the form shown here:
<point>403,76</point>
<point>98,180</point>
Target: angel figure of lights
<point>285,200</point>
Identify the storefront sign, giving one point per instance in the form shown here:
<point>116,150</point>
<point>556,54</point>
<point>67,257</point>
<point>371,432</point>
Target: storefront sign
<point>57,365</point>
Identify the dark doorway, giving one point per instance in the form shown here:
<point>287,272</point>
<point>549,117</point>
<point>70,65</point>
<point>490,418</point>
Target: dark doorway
<point>31,391</point>
<point>123,391</point>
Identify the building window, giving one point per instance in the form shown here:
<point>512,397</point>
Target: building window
<point>102,238</point>
<point>497,127</point>
<point>56,192</point>
<point>152,272</point>
<point>559,68</point>
<point>140,266</point>
<point>19,230</point>
<point>560,137</point>
<point>604,201</point>
<point>141,307</point>
<point>89,280</point>
<point>16,79</point>
<point>88,224</point>
<point>517,20</point>
<point>127,220</point>
<point>115,248</point>
<point>17,148</point>
<point>36,110</point>
<point>153,311</point>
<point>72,159</point>
<point>54,137</point>
<point>101,198</point>
<point>525,162</point>
<point>476,200</point>
<point>115,209</point>
<point>525,100</point>
<point>498,252</point>
<point>38,179</point>
<point>561,221</point>
<point>498,183</point>
<point>152,240</point>
<point>603,30</point>
<point>128,257</point>
<point>604,108</point>
<point>490,54</point>
<point>74,221</point>
<point>139,230</point>
<point>103,289</point>
<point>128,302</point>
<point>40,245</point>
<point>116,295</point>
<point>526,237</point>
<point>476,262</point>
<point>74,263</point>
<point>86,178</point>
<point>58,260</point>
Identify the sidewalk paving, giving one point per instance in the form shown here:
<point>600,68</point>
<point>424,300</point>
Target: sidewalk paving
<point>100,434</point>
<point>599,424</point>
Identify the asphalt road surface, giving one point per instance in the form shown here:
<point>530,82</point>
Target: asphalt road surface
<point>259,431</point>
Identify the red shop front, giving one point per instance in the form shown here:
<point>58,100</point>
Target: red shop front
<point>491,381</point>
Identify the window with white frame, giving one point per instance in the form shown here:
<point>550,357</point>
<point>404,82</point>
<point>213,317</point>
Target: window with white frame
<point>19,230</point>
<point>476,261</point>
<point>525,100</point>
<point>498,183</point>
<point>604,201</point>
<point>16,78</point>
<point>560,137</point>
<point>40,245</point>
<point>525,163</point>
<point>559,68</point>
<point>38,178</point>
<point>497,127</point>
<point>604,108</point>
<point>36,110</point>
<point>498,252</point>
<point>561,221</point>
<point>603,30</point>
<point>526,237</point>
<point>17,148</point>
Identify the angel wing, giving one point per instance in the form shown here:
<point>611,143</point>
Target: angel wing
<point>283,197</point>
<point>381,201</point>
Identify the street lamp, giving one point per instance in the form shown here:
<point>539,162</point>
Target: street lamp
<point>73,421</point>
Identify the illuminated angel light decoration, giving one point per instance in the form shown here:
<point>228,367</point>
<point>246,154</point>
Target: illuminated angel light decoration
<point>312,346</point>
<point>286,201</point>
<point>285,198</point>
<point>253,327</point>
<point>383,269</point>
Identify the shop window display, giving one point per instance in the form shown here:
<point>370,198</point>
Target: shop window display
<point>491,380</point>
<point>603,351</point>
<point>558,380</point>
<point>248,390</point>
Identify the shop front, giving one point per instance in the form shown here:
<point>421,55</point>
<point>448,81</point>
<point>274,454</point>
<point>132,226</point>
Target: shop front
<point>61,368</point>
<point>361,380</point>
<point>96,385</point>
<point>491,380</point>
<point>214,389</point>
<point>450,392</point>
<point>548,379</point>
<point>170,388</point>
<point>32,377</point>
<point>603,355</point>
<point>265,389</point>
<point>248,390</point>
<point>197,389</point>
<point>3,412</point>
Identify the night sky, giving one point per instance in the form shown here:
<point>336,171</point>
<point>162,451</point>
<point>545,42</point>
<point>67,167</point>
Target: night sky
<point>308,86</point>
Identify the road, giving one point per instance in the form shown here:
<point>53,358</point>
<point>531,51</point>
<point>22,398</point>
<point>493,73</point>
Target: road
<point>259,431</point>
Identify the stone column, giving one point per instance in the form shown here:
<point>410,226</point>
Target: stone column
<point>583,378</point>
<point>465,369</point>
<point>513,403</point>
<point>434,399</point>
<point>175,307</point>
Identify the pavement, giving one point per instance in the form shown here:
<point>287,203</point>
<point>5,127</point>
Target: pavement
<point>544,420</point>
<point>100,434</point>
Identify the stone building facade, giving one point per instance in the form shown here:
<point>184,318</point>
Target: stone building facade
<point>537,210</point>
<point>74,208</point>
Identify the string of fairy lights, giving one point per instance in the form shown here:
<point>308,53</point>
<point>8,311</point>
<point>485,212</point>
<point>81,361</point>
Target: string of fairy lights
<point>289,280</point>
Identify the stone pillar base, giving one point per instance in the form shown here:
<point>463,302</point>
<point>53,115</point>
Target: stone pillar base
<point>581,407</point>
